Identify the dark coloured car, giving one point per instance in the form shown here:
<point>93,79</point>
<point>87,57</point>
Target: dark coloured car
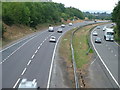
<point>98,40</point>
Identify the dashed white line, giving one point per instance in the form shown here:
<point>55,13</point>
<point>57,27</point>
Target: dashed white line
<point>29,62</point>
<point>16,83</point>
<point>115,55</point>
<point>24,71</point>
<point>39,47</point>
<point>33,56</point>
<point>36,51</point>
<point>41,44</point>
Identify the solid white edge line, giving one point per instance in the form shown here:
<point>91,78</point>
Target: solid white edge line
<point>19,42</point>
<point>104,63</point>
<point>16,83</point>
<point>51,67</point>
<point>117,44</point>
<point>29,62</point>
<point>23,71</point>
<point>17,49</point>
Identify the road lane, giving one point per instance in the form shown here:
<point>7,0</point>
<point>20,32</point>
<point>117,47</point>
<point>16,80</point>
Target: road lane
<point>19,64</point>
<point>108,52</point>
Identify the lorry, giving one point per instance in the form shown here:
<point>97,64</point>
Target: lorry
<point>109,34</point>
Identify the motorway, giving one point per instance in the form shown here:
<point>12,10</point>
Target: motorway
<point>108,54</point>
<point>31,58</point>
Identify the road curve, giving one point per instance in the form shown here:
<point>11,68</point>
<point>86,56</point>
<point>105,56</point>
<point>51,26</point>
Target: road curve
<point>30,58</point>
<point>108,54</point>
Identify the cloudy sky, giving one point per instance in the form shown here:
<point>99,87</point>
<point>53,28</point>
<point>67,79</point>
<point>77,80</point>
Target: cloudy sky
<point>90,5</point>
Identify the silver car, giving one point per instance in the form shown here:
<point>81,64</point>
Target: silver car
<point>95,33</point>
<point>52,39</point>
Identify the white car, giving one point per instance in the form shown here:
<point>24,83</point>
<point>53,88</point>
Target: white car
<point>59,30</point>
<point>95,33</point>
<point>70,24</point>
<point>52,39</point>
<point>98,27</point>
<point>63,25</point>
<point>104,28</point>
<point>51,29</point>
<point>27,84</point>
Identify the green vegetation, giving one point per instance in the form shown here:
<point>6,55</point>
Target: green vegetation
<point>116,19</point>
<point>80,44</point>
<point>101,16</point>
<point>34,13</point>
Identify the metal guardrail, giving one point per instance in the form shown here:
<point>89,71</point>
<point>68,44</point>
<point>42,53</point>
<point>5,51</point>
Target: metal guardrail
<point>73,58</point>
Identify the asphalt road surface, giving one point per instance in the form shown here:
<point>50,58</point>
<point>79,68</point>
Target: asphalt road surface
<point>107,52</point>
<point>31,58</point>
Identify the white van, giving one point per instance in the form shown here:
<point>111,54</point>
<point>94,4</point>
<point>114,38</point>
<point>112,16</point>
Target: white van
<point>51,29</point>
<point>109,34</point>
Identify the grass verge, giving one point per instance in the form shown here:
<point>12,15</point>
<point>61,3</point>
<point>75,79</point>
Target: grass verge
<point>80,44</point>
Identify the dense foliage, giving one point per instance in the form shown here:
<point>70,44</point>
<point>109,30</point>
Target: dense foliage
<point>101,16</point>
<point>116,19</point>
<point>32,14</point>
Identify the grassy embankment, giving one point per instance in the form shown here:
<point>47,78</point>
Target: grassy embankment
<point>80,44</point>
<point>15,32</point>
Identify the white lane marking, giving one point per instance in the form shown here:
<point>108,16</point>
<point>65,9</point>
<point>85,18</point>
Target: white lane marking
<point>16,83</point>
<point>24,71</point>
<point>41,44</point>
<point>109,48</point>
<point>51,67</point>
<point>105,64</point>
<point>17,49</point>
<point>36,51</point>
<point>29,62</point>
<point>93,61</point>
<point>39,47</point>
<point>115,55</point>
<point>117,43</point>
<point>33,56</point>
<point>20,41</point>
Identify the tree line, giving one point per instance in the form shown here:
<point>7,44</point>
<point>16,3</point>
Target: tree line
<point>116,19</point>
<point>33,13</point>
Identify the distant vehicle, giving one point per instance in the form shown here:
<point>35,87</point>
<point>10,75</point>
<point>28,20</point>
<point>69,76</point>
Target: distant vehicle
<point>63,25</point>
<point>95,21</point>
<point>109,34</point>
<point>98,27</point>
<point>51,29</point>
<point>104,28</point>
<point>28,84</point>
<point>52,39</point>
<point>98,40</point>
<point>95,33</point>
<point>59,30</point>
<point>70,24</point>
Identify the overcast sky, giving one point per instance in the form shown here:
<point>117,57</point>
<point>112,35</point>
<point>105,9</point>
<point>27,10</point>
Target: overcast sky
<point>90,5</point>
